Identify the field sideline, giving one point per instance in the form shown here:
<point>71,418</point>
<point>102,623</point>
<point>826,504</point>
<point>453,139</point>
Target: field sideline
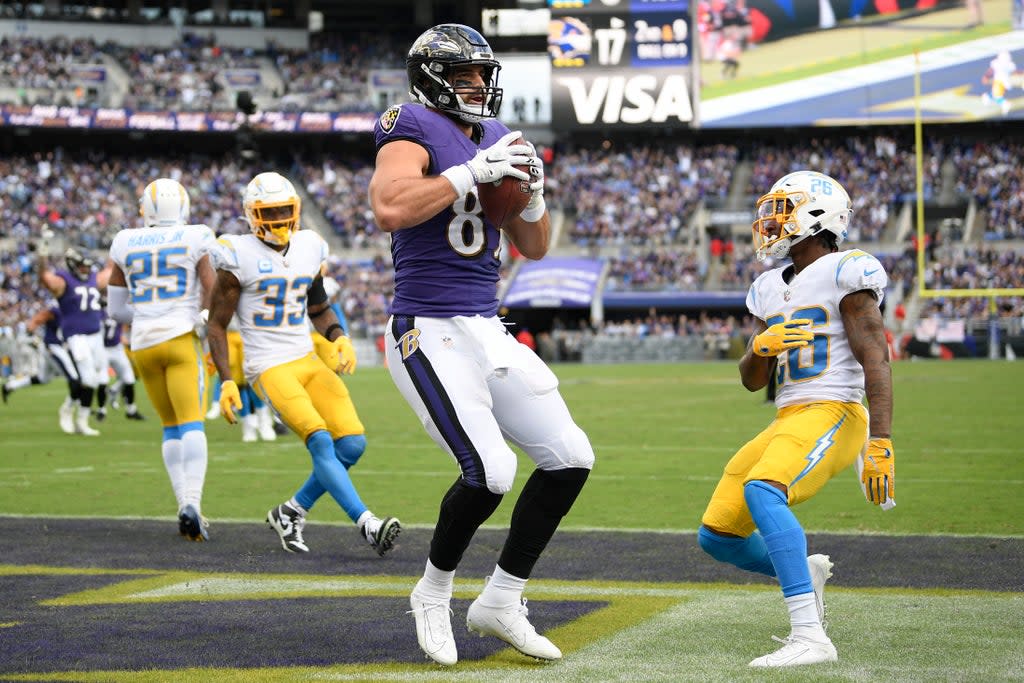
<point>97,585</point>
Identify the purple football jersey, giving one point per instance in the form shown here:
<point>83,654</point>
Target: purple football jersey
<point>51,330</point>
<point>447,265</point>
<point>111,331</point>
<point>79,305</point>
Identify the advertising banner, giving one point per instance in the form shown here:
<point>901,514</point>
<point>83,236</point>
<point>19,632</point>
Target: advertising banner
<point>555,283</point>
<point>41,116</point>
<point>620,63</point>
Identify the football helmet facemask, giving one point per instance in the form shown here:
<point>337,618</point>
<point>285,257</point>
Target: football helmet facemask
<point>164,203</point>
<point>272,208</point>
<point>798,206</point>
<point>78,263</point>
<point>433,60</point>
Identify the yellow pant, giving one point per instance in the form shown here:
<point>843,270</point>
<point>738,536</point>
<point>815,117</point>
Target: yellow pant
<point>174,375</point>
<point>309,397</point>
<point>804,447</point>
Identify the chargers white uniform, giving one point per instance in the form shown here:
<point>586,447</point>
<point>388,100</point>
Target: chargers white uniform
<point>159,265</point>
<point>272,320</point>
<point>821,426</point>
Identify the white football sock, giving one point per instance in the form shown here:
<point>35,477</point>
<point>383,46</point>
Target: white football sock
<point>194,448</point>
<point>503,589</point>
<point>803,616</point>
<point>436,583</point>
<point>174,465</point>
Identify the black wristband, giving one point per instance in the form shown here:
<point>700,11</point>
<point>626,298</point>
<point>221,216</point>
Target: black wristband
<point>331,328</point>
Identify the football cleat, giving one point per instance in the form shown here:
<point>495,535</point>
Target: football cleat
<point>434,628</point>
<point>82,423</point>
<point>100,414</point>
<point>820,567</point>
<point>288,523</point>
<point>5,391</point>
<point>797,651</point>
<point>135,415</point>
<point>511,625</point>
<point>66,417</point>
<point>381,533</point>
<point>192,525</point>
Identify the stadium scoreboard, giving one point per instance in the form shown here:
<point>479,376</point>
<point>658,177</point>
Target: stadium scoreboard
<point>620,63</point>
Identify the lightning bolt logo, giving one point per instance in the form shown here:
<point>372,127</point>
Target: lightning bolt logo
<point>818,452</point>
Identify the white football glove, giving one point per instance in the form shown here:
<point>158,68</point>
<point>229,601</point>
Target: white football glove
<point>536,207</point>
<point>43,245</point>
<point>490,164</point>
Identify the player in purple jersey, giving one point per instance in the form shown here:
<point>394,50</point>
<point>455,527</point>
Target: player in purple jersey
<point>78,297</point>
<point>117,360</point>
<point>49,318</point>
<point>469,381</point>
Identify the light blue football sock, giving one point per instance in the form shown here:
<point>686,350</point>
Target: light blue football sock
<point>783,536</point>
<point>347,449</point>
<point>309,493</point>
<point>748,553</point>
<point>332,475</point>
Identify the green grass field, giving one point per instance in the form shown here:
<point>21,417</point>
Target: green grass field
<point>662,434</point>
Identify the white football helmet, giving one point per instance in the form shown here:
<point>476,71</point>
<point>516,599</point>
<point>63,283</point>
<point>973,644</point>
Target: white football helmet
<point>272,208</point>
<point>164,203</point>
<point>798,206</point>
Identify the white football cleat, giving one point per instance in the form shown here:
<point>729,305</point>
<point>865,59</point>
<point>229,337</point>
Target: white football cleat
<point>250,428</point>
<point>434,628</point>
<point>265,426</point>
<point>66,416</point>
<point>798,651</point>
<point>820,567</point>
<point>511,625</point>
<point>82,423</point>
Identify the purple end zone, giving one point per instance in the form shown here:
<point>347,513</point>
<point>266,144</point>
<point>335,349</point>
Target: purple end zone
<point>861,561</point>
<point>326,631</point>
<point>235,633</point>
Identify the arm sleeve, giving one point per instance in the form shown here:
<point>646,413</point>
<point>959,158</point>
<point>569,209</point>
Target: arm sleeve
<point>118,307</point>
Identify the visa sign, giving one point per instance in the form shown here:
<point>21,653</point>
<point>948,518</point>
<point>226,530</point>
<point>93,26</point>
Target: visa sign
<point>623,98</point>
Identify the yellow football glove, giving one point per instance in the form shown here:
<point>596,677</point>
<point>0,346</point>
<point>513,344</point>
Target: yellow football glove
<point>879,473</point>
<point>346,355</point>
<point>230,401</point>
<point>782,337</point>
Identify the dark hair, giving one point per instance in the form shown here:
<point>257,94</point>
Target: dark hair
<point>828,240</point>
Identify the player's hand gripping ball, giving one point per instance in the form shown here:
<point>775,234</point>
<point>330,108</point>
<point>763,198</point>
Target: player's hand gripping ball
<point>505,198</point>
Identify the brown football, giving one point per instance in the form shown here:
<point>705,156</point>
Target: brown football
<point>505,198</point>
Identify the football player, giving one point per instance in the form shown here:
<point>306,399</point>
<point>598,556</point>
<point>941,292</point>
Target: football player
<point>160,282</point>
<point>469,381</point>
<point>78,297</point>
<point>49,318</point>
<point>999,79</point>
<point>117,360</point>
<point>819,330</point>
<point>271,278</point>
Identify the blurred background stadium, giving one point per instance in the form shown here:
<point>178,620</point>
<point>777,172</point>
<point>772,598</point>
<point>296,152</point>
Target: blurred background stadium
<point>660,123</point>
